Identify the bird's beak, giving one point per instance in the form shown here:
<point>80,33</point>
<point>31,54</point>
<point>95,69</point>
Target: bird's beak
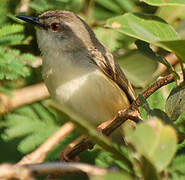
<point>32,20</point>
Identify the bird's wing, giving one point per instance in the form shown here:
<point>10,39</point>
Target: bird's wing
<point>105,61</point>
<point>103,58</point>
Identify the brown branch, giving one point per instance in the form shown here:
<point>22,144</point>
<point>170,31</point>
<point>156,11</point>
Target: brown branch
<point>130,113</point>
<point>63,168</point>
<point>23,96</point>
<point>9,171</point>
<point>68,148</point>
<point>40,153</point>
<point>26,172</point>
<point>154,87</point>
<point>34,64</point>
<point>172,59</point>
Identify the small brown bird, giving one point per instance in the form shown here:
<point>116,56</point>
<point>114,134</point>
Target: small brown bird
<point>79,71</point>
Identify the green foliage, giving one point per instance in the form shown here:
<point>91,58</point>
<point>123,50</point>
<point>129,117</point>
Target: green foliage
<point>113,175</point>
<point>33,123</point>
<point>43,5</point>
<point>165,3</point>
<point>175,104</point>
<point>152,150</point>
<point>12,62</point>
<point>147,51</point>
<point>161,139</point>
<point>142,76</point>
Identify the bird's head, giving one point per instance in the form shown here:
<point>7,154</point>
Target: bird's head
<point>61,31</point>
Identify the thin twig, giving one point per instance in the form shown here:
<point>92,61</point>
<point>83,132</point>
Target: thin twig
<point>69,147</point>
<point>172,59</point>
<point>40,153</point>
<point>155,86</point>
<point>11,171</point>
<point>26,172</point>
<point>130,113</point>
<point>61,168</point>
<point>183,70</point>
<point>22,97</point>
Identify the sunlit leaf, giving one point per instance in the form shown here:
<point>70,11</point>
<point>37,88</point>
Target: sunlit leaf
<point>151,29</point>
<point>159,146</point>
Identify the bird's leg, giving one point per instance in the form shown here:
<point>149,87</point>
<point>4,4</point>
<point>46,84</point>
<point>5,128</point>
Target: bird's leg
<point>64,155</point>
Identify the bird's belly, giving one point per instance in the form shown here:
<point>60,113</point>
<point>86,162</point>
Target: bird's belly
<point>90,96</point>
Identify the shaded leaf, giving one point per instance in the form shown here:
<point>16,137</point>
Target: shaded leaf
<point>113,175</point>
<point>175,104</point>
<point>176,46</point>
<point>159,146</point>
<point>110,5</point>
<point>165,2</point>
<point>148,170</point>
<point>127,5</point>
<point>144,47</point>
<point>145,104</point>
<point>115,40</point>
<point>11,29</point>
<point>178,164</point>
<point>165,12</point>
<point>138,76</point>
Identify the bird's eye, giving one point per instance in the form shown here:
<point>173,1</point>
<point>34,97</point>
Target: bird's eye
<point>55,26</point>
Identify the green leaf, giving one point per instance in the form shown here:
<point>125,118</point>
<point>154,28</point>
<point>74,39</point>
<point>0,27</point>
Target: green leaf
<point>151,29</point>
<point>43,5</point>
<point>103,158</point>
<point>101,14</point>
<point>33,124</point>
<point>39,5</point>
<point>11,29</point>
<point>144,47</point>
<point>110,5</point>
<point>12,64</point>
<point>164,2</point>
<point>115,41</point>
<point>113,175</point>
<point>127,5</point>
<point>12,40</point>
<point>148,170</point>
<point>165,12</point>
<point>141,76</point>
<point>175,104</point>
<point>144,104</point>
<point>176,46</point>
<point>159,146</point>
<point>148,28</point>
<point>177,168</point>
<point>157,99</point>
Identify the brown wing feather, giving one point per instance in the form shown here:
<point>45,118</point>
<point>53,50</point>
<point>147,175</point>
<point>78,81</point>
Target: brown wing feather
<point>107,64</point>
<point>104,59</point>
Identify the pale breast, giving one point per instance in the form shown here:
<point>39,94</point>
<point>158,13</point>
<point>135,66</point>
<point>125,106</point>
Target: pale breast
<point>82,90</point>
<point>91,96</point>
